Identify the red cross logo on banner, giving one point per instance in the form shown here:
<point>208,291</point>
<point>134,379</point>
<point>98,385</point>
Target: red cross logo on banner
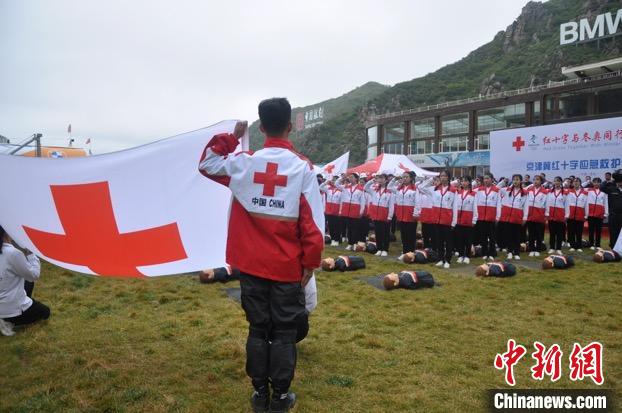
<point>92,238</point>
<point>269,179</point>
<point>402,167</point>
<point>518,143</point>
<point>329,168</point>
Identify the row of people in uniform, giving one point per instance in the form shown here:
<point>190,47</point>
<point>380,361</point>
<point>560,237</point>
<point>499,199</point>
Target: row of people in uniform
<point>453,217</point>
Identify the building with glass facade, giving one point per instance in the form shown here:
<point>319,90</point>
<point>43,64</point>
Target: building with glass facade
<point>455,135</point>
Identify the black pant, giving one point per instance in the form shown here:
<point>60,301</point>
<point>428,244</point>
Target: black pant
<point>37,311</point>
<point>615,224</point>
<point>363,229</point>
<point>273,310</point>
<point>427,233</point>
<point>556,234</point>
<point>464,240</point>
<point>595,226</point>
<point>502,236</point>
<point>575,233</point>
<point>512,234</point>
<point>536,235</point>
<point>487,237</point>
<point>352,230</point>
<point>382,234</point>
<point>334,227</point>
<point>443,241</point>
<point>28,287</point>
<point>408,233</point>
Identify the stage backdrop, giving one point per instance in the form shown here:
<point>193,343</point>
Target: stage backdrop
<point>576,148</point>
<point>142,211</point>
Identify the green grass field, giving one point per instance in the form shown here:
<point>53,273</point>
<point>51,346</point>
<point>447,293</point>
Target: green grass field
<point>173,345</point>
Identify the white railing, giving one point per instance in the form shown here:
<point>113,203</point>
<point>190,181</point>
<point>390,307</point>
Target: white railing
<point>550,84</point>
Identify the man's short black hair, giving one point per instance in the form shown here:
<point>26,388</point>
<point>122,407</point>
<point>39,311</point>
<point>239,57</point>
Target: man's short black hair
<point>275,114</point>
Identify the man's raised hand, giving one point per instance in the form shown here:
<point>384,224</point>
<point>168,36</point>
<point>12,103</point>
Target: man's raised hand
<point>240,129</point>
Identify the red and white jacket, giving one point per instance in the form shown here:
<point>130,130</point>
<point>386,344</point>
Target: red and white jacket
<point>381,205</point>
<point>442,202</point>
<point>556,205</point>
<point>405,201</point>
<point>511,205</point>
<point>535,204</point>
<point>276,222</point>
<point>465,210</point>
<point>423,207</point>
<point>597,203</point>
<point>576,205</point>
<point>352,200</point>
<point>486,200</point>
<point>332,198</point>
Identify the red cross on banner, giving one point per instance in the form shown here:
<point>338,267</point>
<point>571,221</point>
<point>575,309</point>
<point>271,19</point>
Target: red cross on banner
<point>92,238</point>
<point>518,143</point>
<point>269,179</point>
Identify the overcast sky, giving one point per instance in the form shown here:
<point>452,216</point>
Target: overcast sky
<point>126,73</point>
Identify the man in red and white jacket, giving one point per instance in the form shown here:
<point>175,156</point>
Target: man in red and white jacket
<point>576,214</point>
<point>598,210</point>
<point>486,200</point>
<point>352,207</point>
<point>332,205</point>
<point>276,238</point>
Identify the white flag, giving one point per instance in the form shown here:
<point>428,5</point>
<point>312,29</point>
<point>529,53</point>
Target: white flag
<point>142,211</point>
<point>336,167</point>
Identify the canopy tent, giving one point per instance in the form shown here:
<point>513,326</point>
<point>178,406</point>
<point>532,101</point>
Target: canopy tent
<point>390,164</point>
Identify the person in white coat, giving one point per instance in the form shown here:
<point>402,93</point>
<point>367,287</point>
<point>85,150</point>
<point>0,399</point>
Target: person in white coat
<point>17,267</point>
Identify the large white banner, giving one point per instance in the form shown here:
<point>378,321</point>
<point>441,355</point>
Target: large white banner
<point>142,211</point>
<point>576,148</point>
<point>337,167</point>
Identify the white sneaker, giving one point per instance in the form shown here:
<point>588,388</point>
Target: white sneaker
<point>343,239</point>
<point>400,258</point>
<point>505,250</point>
<point>516,258</point>
<point>439,264</point>
<point>6,328</point>
<point>485,258</point>
<point>579,250</point>
<point>334,243</point>
<point>571,250</point>
<point>378,253</point>
<point>384,253</point>
<point>456,254</point>
<point>349,247</point>
<point>592,248</point>
<point>551,251</point>
<point>531,254</point>
<point>510,255</point>
<point>536,254</point>
<point>460,260</point>
<point>466,260</point>
<point>446,265</point>
<point>558,252</point>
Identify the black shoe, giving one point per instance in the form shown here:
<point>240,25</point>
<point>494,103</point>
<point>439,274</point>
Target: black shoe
<point>283,403</point>
<point>260,402</point>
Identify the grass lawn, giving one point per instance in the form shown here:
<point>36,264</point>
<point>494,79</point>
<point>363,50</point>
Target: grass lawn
<point>172,344</point>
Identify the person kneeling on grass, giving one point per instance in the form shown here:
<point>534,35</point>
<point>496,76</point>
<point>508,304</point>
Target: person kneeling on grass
<point>221,275</point>
<point>496,269</point>
<point>410,280</point>
<point>424,256</point>
<point>16,307</point>
<point>558,262</point>
<point>343,263</point>
<point>602,256</point>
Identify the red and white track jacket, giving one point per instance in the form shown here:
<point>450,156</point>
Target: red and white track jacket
<point>486,200</point>
<point>535,204</point>
<point>332,196</point>
<point>465,210</point>
<point>511,205</point>
<point>276,222</point>
<point>597,203</point>
<point>556,205</point>
<point>576,205</point>
<point>405,200</point>
<point>380,208</point>
<point>352,200</point>
<point>442,202</point>
<point>423,207</point>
